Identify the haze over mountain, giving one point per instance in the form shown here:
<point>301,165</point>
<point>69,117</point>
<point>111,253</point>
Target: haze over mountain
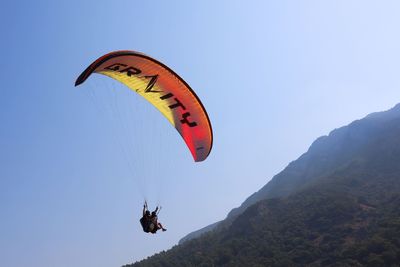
<point>336,205</point>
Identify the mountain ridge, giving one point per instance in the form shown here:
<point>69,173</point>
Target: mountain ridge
<point>318,148</point>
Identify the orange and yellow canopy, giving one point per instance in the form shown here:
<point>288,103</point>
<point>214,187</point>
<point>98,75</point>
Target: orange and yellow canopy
<point>164,89</point>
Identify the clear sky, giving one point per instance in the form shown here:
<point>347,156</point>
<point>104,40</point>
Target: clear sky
<point>273,76</point>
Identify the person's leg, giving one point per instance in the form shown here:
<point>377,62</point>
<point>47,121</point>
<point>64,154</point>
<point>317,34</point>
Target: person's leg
<point>161,227</point>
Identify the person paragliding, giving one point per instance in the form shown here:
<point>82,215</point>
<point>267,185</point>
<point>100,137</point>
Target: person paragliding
<point>166,91</point>
<point>154,221</point>
<point>146,218</point>
<point>149,221</point>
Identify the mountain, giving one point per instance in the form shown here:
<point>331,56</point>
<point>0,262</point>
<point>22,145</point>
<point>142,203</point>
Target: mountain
<point>326,154</point>
<point>337,205</point>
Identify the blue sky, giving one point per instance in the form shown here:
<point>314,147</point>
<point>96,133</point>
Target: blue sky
<point>273,76</point>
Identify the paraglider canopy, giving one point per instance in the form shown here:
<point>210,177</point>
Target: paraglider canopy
<point>164,89</point>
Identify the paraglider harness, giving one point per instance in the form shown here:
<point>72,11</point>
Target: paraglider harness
<point>147,222</point>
